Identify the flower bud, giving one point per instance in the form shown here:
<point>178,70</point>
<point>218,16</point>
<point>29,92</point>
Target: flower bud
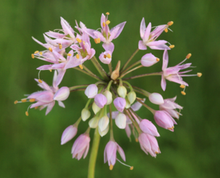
<point>148,127</point>
<point>148,60</point>
<point>127,104</point>
<point>156,98</point>
<point>91,91</point>
<point>108,95</point>
<point>103,123</point>
<point>120,121</point>
<point>85,114</point>
<point>100,100</point>
<point>93,123</point>
<point>62,94</point>
<point>104,132</point>
<point>95,108</point>
<point>131,97</point>
<point>122,91</point>
<point>120,103</point>
<point>68,134</point>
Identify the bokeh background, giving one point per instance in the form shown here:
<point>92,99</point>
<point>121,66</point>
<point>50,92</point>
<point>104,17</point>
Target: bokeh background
<point>30,146</point>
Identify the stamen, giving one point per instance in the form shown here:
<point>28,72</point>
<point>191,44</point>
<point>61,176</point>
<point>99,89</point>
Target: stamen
<point>103,24</point>
<point>188,56</point>
<point>110,167</point>
<point>26,113</point>
<point>40,53</point>
<point>108,56</point>
<point>199,74</point>
<point>170,23</point>
<point>32,100</point>
<point>166,30</point>
<point>77,56</point>
<point>136,139</point>
<point>36,52</point>
<point>16,101</point>
<point>50,70</point>
<point>131,167</point>
<point>50,49</point>
<point>80,66</point>
<point>40,81</point>
<point>84,42</point>
<point>182,86</point>
<point>68,54</point>
<point>97,40</point>
<point>171,46</point>
<point>107,13</point>
<point>23,100</point>
<point>36,107</point>
<point>107,22</point>
<point>79,40</point>
<point>60,46</point>
<point>183,92</point>
<point>157,59</point>
<point>171,128</point>
<point>32,56</point>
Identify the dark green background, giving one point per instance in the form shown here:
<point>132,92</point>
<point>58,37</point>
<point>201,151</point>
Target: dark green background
<point>30,146</point>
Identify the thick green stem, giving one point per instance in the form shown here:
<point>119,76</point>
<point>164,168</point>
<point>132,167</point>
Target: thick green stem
<point>93,154</point>
<point>99,68</point>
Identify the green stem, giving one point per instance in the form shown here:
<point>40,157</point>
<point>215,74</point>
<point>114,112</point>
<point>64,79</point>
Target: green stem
<point>81,70</point>
<point>129,59</point>
<point>136,63</point>
<point>131,71</point>
<point>143,75</point>
<point>99,68</point>
<point>93,154</point>
<point>146,106</point>
<point>77,87</point>
<point>90,72</point>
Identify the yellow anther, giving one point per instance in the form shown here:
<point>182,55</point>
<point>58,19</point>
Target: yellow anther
<point>199,74</point>
<point>97,40</point>
<point>103,24</point>
<point>136,139</point>
<point>40,53</point>
<point>171,46</point>
<point>107,13</point>
<point>60,46</point>
<point>170,23</point>
<point>36,52</point>
<point>188,56</point>
<point>84,42</point>
<point>108,55</point>
<point>166,30</point>
<point>32,100</point>
<point>80,66</point>
<point>26,113</point>
<point>107,22</point>
<point>171,128</point>
<point>132,167</point>
<point>24,100</point>
<point>77,56</point>
<point>79,40</point>
<point>36,107</point>
<point>39,80</point>
<point>32,56</point>
<point>68,54</point>
<point>157,152</point>
<point>50,70</point>
<point>16,101</point>
<point>110,167</point>
<point>50,49</point>
<point>157,59</point>
<point>182,86</point>
<point>183,92</point>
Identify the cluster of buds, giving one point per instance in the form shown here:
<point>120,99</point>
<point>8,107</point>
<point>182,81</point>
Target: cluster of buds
<point>112,99</point>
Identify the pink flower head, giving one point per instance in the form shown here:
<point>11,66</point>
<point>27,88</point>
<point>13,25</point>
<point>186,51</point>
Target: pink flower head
<point>173,74</point>
<point>148,60</point>
<point>110,153</point>
<point>149,144</point>
<point>106,57</point>
<point>68,134</point>
<point>100,100</point>
<point>106,35</point>
<point>170,106</point>
<point>148,127</point>
<point>81,146</point>
<point>120,103</point>
<point>164,119</point>
<point>149,38</point>
<point>91,91</point>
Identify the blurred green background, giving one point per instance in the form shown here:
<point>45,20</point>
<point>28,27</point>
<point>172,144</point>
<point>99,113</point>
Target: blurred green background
<point>30,146</point>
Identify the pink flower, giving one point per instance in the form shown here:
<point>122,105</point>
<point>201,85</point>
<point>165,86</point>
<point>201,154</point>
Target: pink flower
<point>173,74</point>
<point>81,146</point>
<point>148,127</point>
<point>110,153</point>
<point>149,38</point>
<point>68,134</point>
<point>120,103</point>
<point>100,100</point>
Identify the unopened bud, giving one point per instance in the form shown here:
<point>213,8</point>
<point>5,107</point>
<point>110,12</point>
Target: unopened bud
<point>85,114</point>
<point>95,108</point>
<point>108,95</point>
<point>122,91</point>
<point>156,98</point>
<point>115,73</point>
<point>131,97</point>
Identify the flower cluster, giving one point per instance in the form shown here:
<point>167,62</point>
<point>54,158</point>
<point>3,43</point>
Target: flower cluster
<point>112,99</point>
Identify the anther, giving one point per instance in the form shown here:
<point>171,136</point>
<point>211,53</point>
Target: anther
<point>107,22</point>
<point>108,56</point>
<point>132,167</point>
<point>32,56</point>
<point>40,53</point>
<point>183,92</point>
<point>136,139</point>
<point>68,54</point>
<point>166,30</point>
<point>80,66</point>
<point>182,86</point>
<point>32,100</point>
<point>79,40</point>
<point>107,13</point>
<point>50,70</point>
<point>26,113</point>
<point>23,100</point>
<point>36,107</point>
<point>77,56</point>
<point>171,46</point>
<point>171,128</point>
<point>39,80</point>
<point>110,167</point>
<point>103,24</point>
<point>157,59</point>
<point>97,40</point>
<point>188,56</point>
<point>50,49</point>
<point>199,74</point>
<point>60,46</point>
<point>36,52</point>
<point>170,23</point>
<point>16,101</point>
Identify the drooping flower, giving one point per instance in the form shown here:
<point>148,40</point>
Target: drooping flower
<point>68,134</point>
<point>148,127</point>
